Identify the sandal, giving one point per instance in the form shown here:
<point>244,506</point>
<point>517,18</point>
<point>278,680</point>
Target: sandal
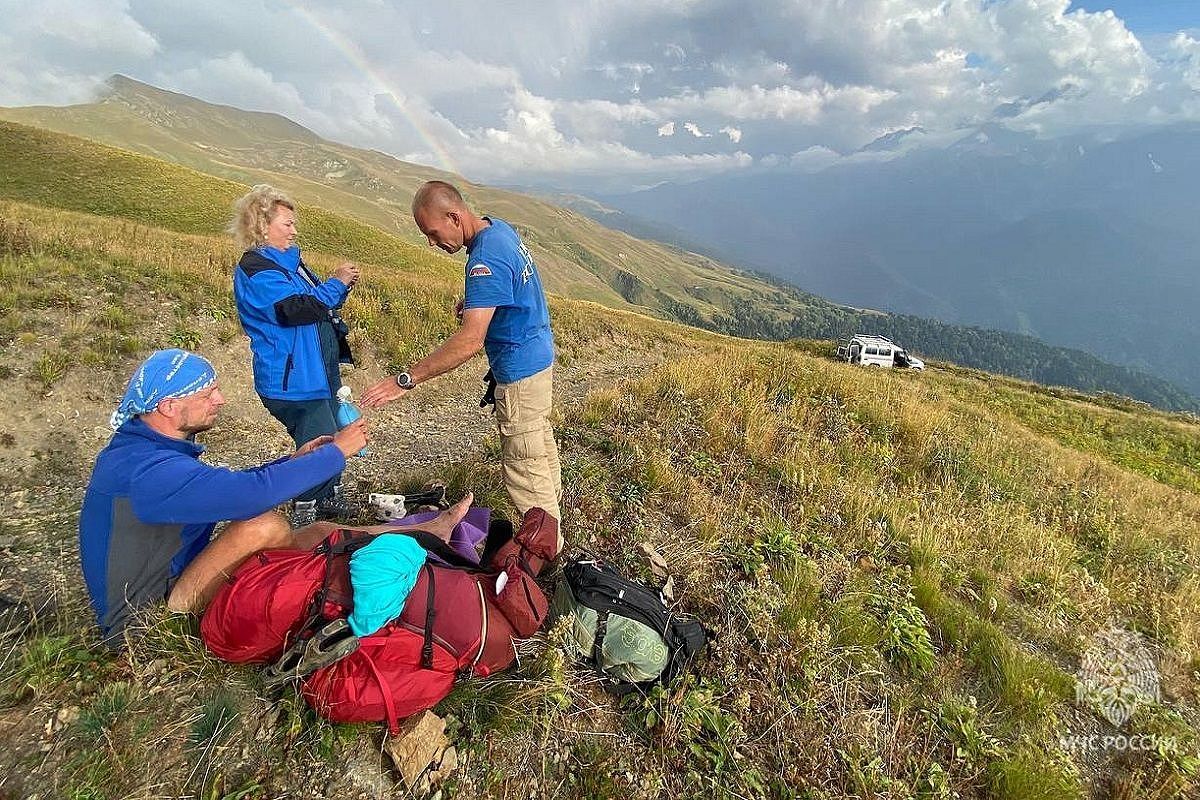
<point>433,495</point>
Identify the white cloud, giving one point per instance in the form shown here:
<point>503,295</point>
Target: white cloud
<point>246,84</point>
<point>784,102</point>
<point>531,144</point>
<point>815,158</point>
<point>581,88</point>
<point>1185,52</point>
<point>60,51</point>
<point>99,27</point>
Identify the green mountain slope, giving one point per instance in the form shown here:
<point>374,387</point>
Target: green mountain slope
<point>903,570</point>
<point>578,257</point>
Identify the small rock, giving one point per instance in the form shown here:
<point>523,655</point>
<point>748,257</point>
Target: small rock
<point>6,542</point>
<point>66,716</point>
<point>421,738</point>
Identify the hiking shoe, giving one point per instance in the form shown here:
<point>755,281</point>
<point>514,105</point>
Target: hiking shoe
<point>304,512</point>
<point>434,494</point>
<point>338,506</point>
<point>330,644</point>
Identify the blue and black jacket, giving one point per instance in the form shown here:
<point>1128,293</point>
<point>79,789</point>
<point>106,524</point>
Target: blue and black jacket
<point>151,505</point>
<point>289,313</point>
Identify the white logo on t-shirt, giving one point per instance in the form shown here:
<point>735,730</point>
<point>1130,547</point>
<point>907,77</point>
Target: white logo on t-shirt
<point>527,271</point>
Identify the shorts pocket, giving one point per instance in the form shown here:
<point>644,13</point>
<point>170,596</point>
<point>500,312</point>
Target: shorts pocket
<point>508,405</point>
<point>522,445</point>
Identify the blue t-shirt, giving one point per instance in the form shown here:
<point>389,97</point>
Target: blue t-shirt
<point>500,274</point>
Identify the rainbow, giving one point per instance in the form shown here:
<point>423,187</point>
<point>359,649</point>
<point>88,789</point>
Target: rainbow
<point>354,54</point>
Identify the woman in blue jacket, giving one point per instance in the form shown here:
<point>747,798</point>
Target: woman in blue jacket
<point>296,336</point>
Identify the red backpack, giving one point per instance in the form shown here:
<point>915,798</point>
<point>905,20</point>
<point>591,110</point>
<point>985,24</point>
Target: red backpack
<point>454,622</point>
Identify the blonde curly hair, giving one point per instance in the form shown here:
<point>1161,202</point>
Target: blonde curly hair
<point>253,212</point>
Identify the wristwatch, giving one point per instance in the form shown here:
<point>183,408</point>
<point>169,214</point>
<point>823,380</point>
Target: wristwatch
<point>404,381</point>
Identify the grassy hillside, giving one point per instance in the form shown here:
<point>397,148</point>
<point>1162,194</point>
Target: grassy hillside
<point>903,569</point>
<point>578,257</point>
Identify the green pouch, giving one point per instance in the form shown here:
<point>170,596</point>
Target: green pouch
<point>631,651</point>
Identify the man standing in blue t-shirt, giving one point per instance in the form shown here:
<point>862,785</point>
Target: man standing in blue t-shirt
<point>503,312</point>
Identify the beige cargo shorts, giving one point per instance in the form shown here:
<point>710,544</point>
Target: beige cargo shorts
<point>528,453</point>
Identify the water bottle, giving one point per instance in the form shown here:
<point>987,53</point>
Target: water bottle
<point>347,412</point>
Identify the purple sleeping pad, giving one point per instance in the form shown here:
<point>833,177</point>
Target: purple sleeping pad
<point>466,536</point>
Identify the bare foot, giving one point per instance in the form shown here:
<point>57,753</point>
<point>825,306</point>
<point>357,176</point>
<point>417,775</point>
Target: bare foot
<point>440,526</point>
<point>444,523</point>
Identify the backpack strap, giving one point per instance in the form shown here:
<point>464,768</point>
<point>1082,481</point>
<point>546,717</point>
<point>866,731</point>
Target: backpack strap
<point>432,544</point>
<point>430,613</point>
<point>483,632</point>
<point>598,641</point>
<point>389,700</point>
<point>348,541</point>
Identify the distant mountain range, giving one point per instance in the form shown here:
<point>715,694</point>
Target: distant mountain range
<point>578,257</point>
<point>1080,242</point>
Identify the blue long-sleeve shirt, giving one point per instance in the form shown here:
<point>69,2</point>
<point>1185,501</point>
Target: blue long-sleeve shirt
<point>151,506</point>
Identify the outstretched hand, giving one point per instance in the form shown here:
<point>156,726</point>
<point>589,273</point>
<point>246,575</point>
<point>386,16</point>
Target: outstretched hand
<point>352,438</point>
<point>382,393</point>
<point>312,444</point>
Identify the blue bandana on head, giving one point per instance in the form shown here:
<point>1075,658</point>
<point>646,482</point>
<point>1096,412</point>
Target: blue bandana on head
<point>166,373</point>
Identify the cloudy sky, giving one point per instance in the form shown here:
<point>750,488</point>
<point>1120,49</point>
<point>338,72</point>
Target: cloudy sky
<point>627,92</point>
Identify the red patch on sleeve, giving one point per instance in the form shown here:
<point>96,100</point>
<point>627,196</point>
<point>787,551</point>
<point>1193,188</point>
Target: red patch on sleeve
<point>479,271</point>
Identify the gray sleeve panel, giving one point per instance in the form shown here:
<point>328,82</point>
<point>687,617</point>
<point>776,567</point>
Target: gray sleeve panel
<point>139,565</point>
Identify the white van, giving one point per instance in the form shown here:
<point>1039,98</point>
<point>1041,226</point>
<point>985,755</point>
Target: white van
<point>877,351</point>
<point>906,359</point>
<point>869,351</point>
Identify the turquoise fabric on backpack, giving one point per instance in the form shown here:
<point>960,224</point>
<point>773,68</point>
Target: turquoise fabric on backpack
<point>381,575</point>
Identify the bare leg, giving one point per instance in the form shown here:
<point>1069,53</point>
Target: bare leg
<point>310,536</point>
<point>223,555</point>
<point>440,526</point>
<point>240,540</point>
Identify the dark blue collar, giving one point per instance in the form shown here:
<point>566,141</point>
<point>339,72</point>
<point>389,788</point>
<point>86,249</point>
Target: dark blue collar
<point>479,235</point>
<point>288,259</point>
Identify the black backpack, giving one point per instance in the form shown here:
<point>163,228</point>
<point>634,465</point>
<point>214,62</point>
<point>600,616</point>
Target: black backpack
<point>595,585</point>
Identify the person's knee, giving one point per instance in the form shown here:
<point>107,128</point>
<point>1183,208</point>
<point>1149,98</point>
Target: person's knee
<point>177,604</point>
<point>267,530</point>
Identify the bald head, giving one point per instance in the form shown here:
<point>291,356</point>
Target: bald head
<point>442,215</point>
<point>437,196</point>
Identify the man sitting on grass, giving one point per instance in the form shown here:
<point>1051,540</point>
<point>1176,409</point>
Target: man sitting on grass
<point>151,505</point>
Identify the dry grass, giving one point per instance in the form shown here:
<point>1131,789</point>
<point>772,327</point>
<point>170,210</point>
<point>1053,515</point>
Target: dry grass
<point>901,575</point>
